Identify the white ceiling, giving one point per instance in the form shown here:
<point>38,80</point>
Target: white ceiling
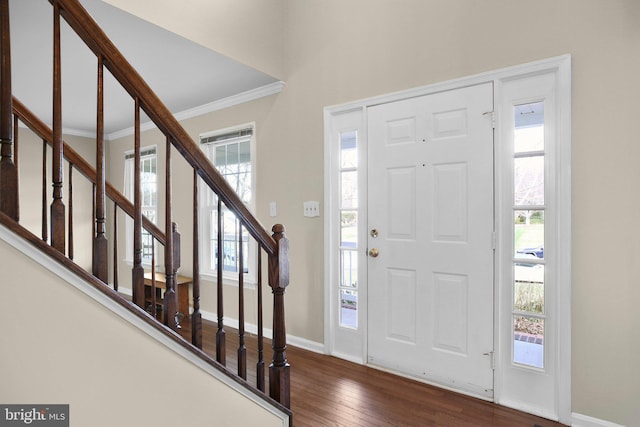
<point>183,74</point>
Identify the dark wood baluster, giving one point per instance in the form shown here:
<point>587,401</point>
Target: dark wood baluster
<point>16,162</point>
<point>260,364</point>
<point>176,247</point>
<point>221,349</point>
<point>115,247</point>
<point>45,220</point>
<point>57,212</point>
<point>196,317</point>
<point>93,222</point>
<point>154,302</point>
<point>101,246</point>
<point>138,271</point>
<point>70,215</point>
<point>279,375</point>
<point>8,170</point>
<point>170,295</point>
<point>242,349</point>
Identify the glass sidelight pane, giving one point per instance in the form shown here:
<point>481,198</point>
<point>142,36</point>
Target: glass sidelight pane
<point>528,290</point>
<point>349,229</point>
<point>348,286</point>
<point>349,187</point>
<point>528,180</point>
<point>348,308</point>
<point>529,234</point>
<point>528,341</point>
<point>349,269</point>
<point>529,127</point>
<point>348,150</point>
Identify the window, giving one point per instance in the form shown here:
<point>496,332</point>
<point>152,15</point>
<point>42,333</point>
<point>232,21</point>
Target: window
<point>149,189</point>
<point>349,229</point>
<point>533,253</point>
<point>230,151</point>
<point>345,256</point>
<point>528,214</point>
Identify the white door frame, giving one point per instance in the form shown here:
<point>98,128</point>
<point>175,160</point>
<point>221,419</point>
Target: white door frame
<point>561,66</point>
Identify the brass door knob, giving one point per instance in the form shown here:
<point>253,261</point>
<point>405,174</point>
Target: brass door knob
<point>373,252</point>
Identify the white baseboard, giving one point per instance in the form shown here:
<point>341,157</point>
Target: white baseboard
<point>305,344</point>
<point>293,340</point>
<point>579,420</point>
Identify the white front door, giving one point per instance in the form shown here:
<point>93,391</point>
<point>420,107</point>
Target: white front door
<point>430,238</point>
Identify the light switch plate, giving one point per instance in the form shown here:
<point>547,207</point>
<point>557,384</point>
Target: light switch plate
<point>311,209</point>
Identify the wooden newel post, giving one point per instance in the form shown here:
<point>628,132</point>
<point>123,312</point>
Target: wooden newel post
<point>279,376</point>
<point>8,170</point>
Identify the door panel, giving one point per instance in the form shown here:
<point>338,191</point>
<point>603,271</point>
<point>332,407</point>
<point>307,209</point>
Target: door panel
<point>450,202</point>
<point>401,287</point>
<point>401,209</point>
<point>430,196</point>
<point>451,314</point>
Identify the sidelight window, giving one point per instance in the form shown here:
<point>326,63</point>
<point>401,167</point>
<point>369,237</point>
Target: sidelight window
<point>529,230</point>
<point>349,229</point>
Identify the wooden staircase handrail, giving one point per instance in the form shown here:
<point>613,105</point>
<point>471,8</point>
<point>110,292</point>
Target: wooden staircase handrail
<point>88,30</point>
<point>45,133</point>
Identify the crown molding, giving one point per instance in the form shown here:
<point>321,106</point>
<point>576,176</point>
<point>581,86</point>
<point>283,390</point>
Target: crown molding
<point>241,98</point>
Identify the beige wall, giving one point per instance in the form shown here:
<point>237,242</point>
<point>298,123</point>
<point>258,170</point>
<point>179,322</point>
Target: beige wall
<point>248,31</point>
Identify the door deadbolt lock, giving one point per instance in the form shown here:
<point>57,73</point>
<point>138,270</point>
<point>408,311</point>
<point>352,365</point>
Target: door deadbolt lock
<point>373,252</point>
<point>374,233</point>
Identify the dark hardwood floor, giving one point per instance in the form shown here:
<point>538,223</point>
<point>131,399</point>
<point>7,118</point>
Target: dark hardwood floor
<point>326,391</point>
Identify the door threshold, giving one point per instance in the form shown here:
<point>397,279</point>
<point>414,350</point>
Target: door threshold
<point>475,392</point>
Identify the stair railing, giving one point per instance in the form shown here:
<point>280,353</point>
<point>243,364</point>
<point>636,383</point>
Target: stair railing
<point>108,56</point>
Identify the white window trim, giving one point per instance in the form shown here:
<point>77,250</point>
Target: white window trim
<point>557,230</point>
<point>344,342</point>
<point>562,162</point>
<point>129,194</point>
<point>206,271</point>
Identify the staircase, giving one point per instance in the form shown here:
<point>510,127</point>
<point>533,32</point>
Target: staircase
<point>57,238</point>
